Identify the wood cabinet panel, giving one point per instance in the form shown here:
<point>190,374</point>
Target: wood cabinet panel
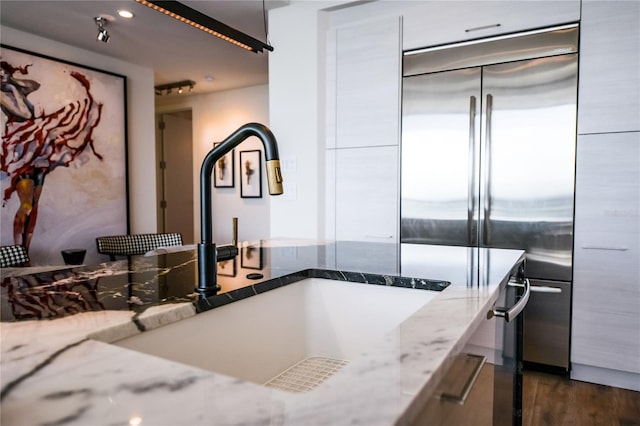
<point>607,187</point>
<point>477,410</point>
<point>367,194</point>
<point>362,121</point>
<point>466,20</point>
<point>367,80</point>
<point>606,309</point>
<point>609,99</point>
<point>478,407</point>
<point>330,195</point>
<point>330,92</point>
<point>606,294</point>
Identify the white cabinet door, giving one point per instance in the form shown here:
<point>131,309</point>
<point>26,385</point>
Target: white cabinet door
<point>330,195</point>
<point>609,99</point>
<point>368,84</point>
<point>432,23</point>
<point>367,194</point>
<point>362,160</point>
<point>606,293</point>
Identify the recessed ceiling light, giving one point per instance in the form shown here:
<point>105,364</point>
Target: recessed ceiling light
<point>125,14</point>
<point>208,77</point>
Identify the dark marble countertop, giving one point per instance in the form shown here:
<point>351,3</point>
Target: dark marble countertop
<point>139,282</point>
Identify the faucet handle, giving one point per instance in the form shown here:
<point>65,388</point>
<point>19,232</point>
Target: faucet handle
<point>274,177</point>
<point>234,240</point>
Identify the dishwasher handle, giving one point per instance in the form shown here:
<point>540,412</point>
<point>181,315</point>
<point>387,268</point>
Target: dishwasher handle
<point>509,314</point>
<point>538,288</point>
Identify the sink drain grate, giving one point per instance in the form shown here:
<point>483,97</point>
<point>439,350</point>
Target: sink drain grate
<point>306,375</point>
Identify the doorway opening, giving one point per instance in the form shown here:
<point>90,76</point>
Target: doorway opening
<point>174,149</point>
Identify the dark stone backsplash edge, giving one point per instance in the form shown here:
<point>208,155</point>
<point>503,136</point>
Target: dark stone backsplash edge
<point>222,299</point>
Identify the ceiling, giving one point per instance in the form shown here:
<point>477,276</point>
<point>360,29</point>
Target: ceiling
<point>174,50</point>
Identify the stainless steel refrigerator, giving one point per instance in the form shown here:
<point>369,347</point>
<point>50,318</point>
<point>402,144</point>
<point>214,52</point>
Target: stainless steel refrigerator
<point>488,159</point>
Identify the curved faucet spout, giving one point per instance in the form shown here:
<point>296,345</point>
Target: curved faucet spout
<point>207,259</point>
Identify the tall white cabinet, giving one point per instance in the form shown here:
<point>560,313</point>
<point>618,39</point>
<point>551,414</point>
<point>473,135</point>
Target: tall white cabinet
<point>609,67</point>
<point>606,297</point>
<point>363,135</point>
<point>605,341</point>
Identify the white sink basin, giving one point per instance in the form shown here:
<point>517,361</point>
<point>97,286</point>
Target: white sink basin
<point>257,338</point>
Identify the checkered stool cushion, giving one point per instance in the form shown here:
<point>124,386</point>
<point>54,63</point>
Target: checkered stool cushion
<point>13,256</point>
<point>125,245</point>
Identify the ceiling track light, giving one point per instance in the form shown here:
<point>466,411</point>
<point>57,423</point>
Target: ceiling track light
<point>103,35</point>
<point>207,24</point>
<point>168,88</point>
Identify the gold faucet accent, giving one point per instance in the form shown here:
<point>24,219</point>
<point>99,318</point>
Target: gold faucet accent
<point>274,177</point>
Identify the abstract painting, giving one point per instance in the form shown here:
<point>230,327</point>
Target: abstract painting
<point>224,170</point>
<point>251,174</point>
<point>227,268</point>
<point>252,256</point>
<point>63,165</point>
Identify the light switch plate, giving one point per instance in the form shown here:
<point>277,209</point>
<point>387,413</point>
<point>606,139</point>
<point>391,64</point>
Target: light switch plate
<point>289,164</point>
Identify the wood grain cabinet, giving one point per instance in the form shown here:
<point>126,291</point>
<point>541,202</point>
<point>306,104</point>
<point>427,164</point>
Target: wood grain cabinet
<point>367,79</point>
<point>609,99</point>
<point>363,119</point>
<point>605,340</point>
<point>367,194</point>
<point>605,343</point>
<point>476,409</point>
<point>441,22</point>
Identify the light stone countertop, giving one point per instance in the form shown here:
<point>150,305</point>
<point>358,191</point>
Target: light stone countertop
<point>54,372</point>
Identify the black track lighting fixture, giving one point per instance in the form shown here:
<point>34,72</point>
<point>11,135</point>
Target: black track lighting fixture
<point>168,88</point>
<point>207,24</point>
<point>103,35</point>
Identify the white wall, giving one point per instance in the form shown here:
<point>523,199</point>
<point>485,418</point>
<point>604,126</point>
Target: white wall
<point>215,116</point>
<point>296,106</point>
<point>140,117</point>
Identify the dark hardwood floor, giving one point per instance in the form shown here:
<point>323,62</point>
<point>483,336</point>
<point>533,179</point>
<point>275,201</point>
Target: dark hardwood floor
<point>555,400</point>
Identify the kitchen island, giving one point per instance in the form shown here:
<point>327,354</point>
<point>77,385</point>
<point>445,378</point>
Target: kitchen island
<point>57,366</point>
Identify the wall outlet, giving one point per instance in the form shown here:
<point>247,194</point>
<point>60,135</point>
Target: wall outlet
<point>290,190</point>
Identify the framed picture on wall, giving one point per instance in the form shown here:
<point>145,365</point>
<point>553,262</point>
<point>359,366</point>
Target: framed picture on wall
<point>64,154</point>
<point>251,174</point>
<point>227,268</point>
<point>224,170</point>
<point>252,256</point>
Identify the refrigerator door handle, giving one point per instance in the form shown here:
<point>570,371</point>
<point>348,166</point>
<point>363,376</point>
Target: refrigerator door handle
<point>487,172</point>
<point>545,289</point>
<point>538,288</point>
<point>472,171</point>
<point>604,248</point>
<point>509,314</point>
